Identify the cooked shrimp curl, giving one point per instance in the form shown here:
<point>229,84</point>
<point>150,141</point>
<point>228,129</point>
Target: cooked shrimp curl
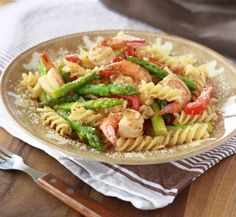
<point>175,82</point>
<point>127,68</point>
<point>128,124</point>
<point>102,52</point>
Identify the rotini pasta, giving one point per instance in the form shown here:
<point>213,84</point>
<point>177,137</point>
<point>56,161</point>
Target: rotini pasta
<point>85,116</point>
<point>74,69</point>
<point>208,115</point>
<point>141,143</point>
<point>197,74</point>
<point>189,134</point>
<point>149,91</point>
<point>53,120</point>
<point>36,91</point>
<point>30,81</point>
<point>146,111</point>
<point>175,63</point>
<point>146,143</point>
<point>84,56</point>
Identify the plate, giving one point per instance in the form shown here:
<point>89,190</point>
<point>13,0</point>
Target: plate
<point>225,85</point>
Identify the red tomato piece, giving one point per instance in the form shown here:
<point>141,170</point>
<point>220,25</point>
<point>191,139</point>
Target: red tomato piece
<point>117,59</point>
<point>130,51</point>
<point>73,58</point>
<point>198,106</point>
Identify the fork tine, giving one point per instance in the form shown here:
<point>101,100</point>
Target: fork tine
<point>3,156</point>
<point>5,151</point>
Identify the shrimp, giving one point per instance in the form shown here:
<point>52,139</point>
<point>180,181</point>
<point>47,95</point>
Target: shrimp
<point>128,124</point>
<point>127,68</point>
<point>122,40</point>
<point>50,81</point>
<point>109,127</point>
<point>131,124</point>
<point>102,52</point>
<point>53,78</point>
<point>173,81</point>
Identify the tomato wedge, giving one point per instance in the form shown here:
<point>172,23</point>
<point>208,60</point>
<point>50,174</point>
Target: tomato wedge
<point>117,59</point>
<point>73,58</point>
<point>198,106</point>
<point>130,51</point>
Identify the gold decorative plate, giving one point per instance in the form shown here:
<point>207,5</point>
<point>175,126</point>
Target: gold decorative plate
<point>225,85</point>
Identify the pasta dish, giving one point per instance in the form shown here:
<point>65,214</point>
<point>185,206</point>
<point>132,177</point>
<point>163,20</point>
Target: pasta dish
<point>124,94</point>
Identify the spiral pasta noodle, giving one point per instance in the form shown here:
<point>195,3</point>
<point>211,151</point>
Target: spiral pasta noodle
<point>208,115</point>
<point>55,121</point>
<point>198,75</point>
<point>74,69</point>
<point>30,81</point>
<point>149,91</point>
<point>36,91</point>
<point>145,143</point>
<point>84,57</point>
<point>189,134</point>
<point>146,111</point>
<point>175,63</point>
<point>141,143</point>
<point>85,116</point>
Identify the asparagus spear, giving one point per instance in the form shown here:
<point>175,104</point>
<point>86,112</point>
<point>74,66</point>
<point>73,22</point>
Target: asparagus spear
<point>61,100</point>
<point>152,68</point>
<point>101,103</point>
<point>176,127</point>
<point>190,84</point>
<point>65,106</point>
<point>160,73</point>
<point>63,90</point>
<point>157,120</point>
<point>84,132</point>
<point>106,90</point>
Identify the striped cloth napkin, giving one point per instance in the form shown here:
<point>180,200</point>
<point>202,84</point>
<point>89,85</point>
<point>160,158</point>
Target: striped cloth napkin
<point>147,187</point>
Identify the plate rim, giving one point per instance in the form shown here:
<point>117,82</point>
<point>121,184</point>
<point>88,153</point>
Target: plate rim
<point>101,157</point>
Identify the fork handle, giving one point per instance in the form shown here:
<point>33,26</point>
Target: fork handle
<point>73,197</point>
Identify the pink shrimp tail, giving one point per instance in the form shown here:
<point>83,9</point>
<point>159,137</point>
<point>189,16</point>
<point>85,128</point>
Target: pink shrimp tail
<point>110,133</point>
<point>172,108</point>
<point>109,127</point>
